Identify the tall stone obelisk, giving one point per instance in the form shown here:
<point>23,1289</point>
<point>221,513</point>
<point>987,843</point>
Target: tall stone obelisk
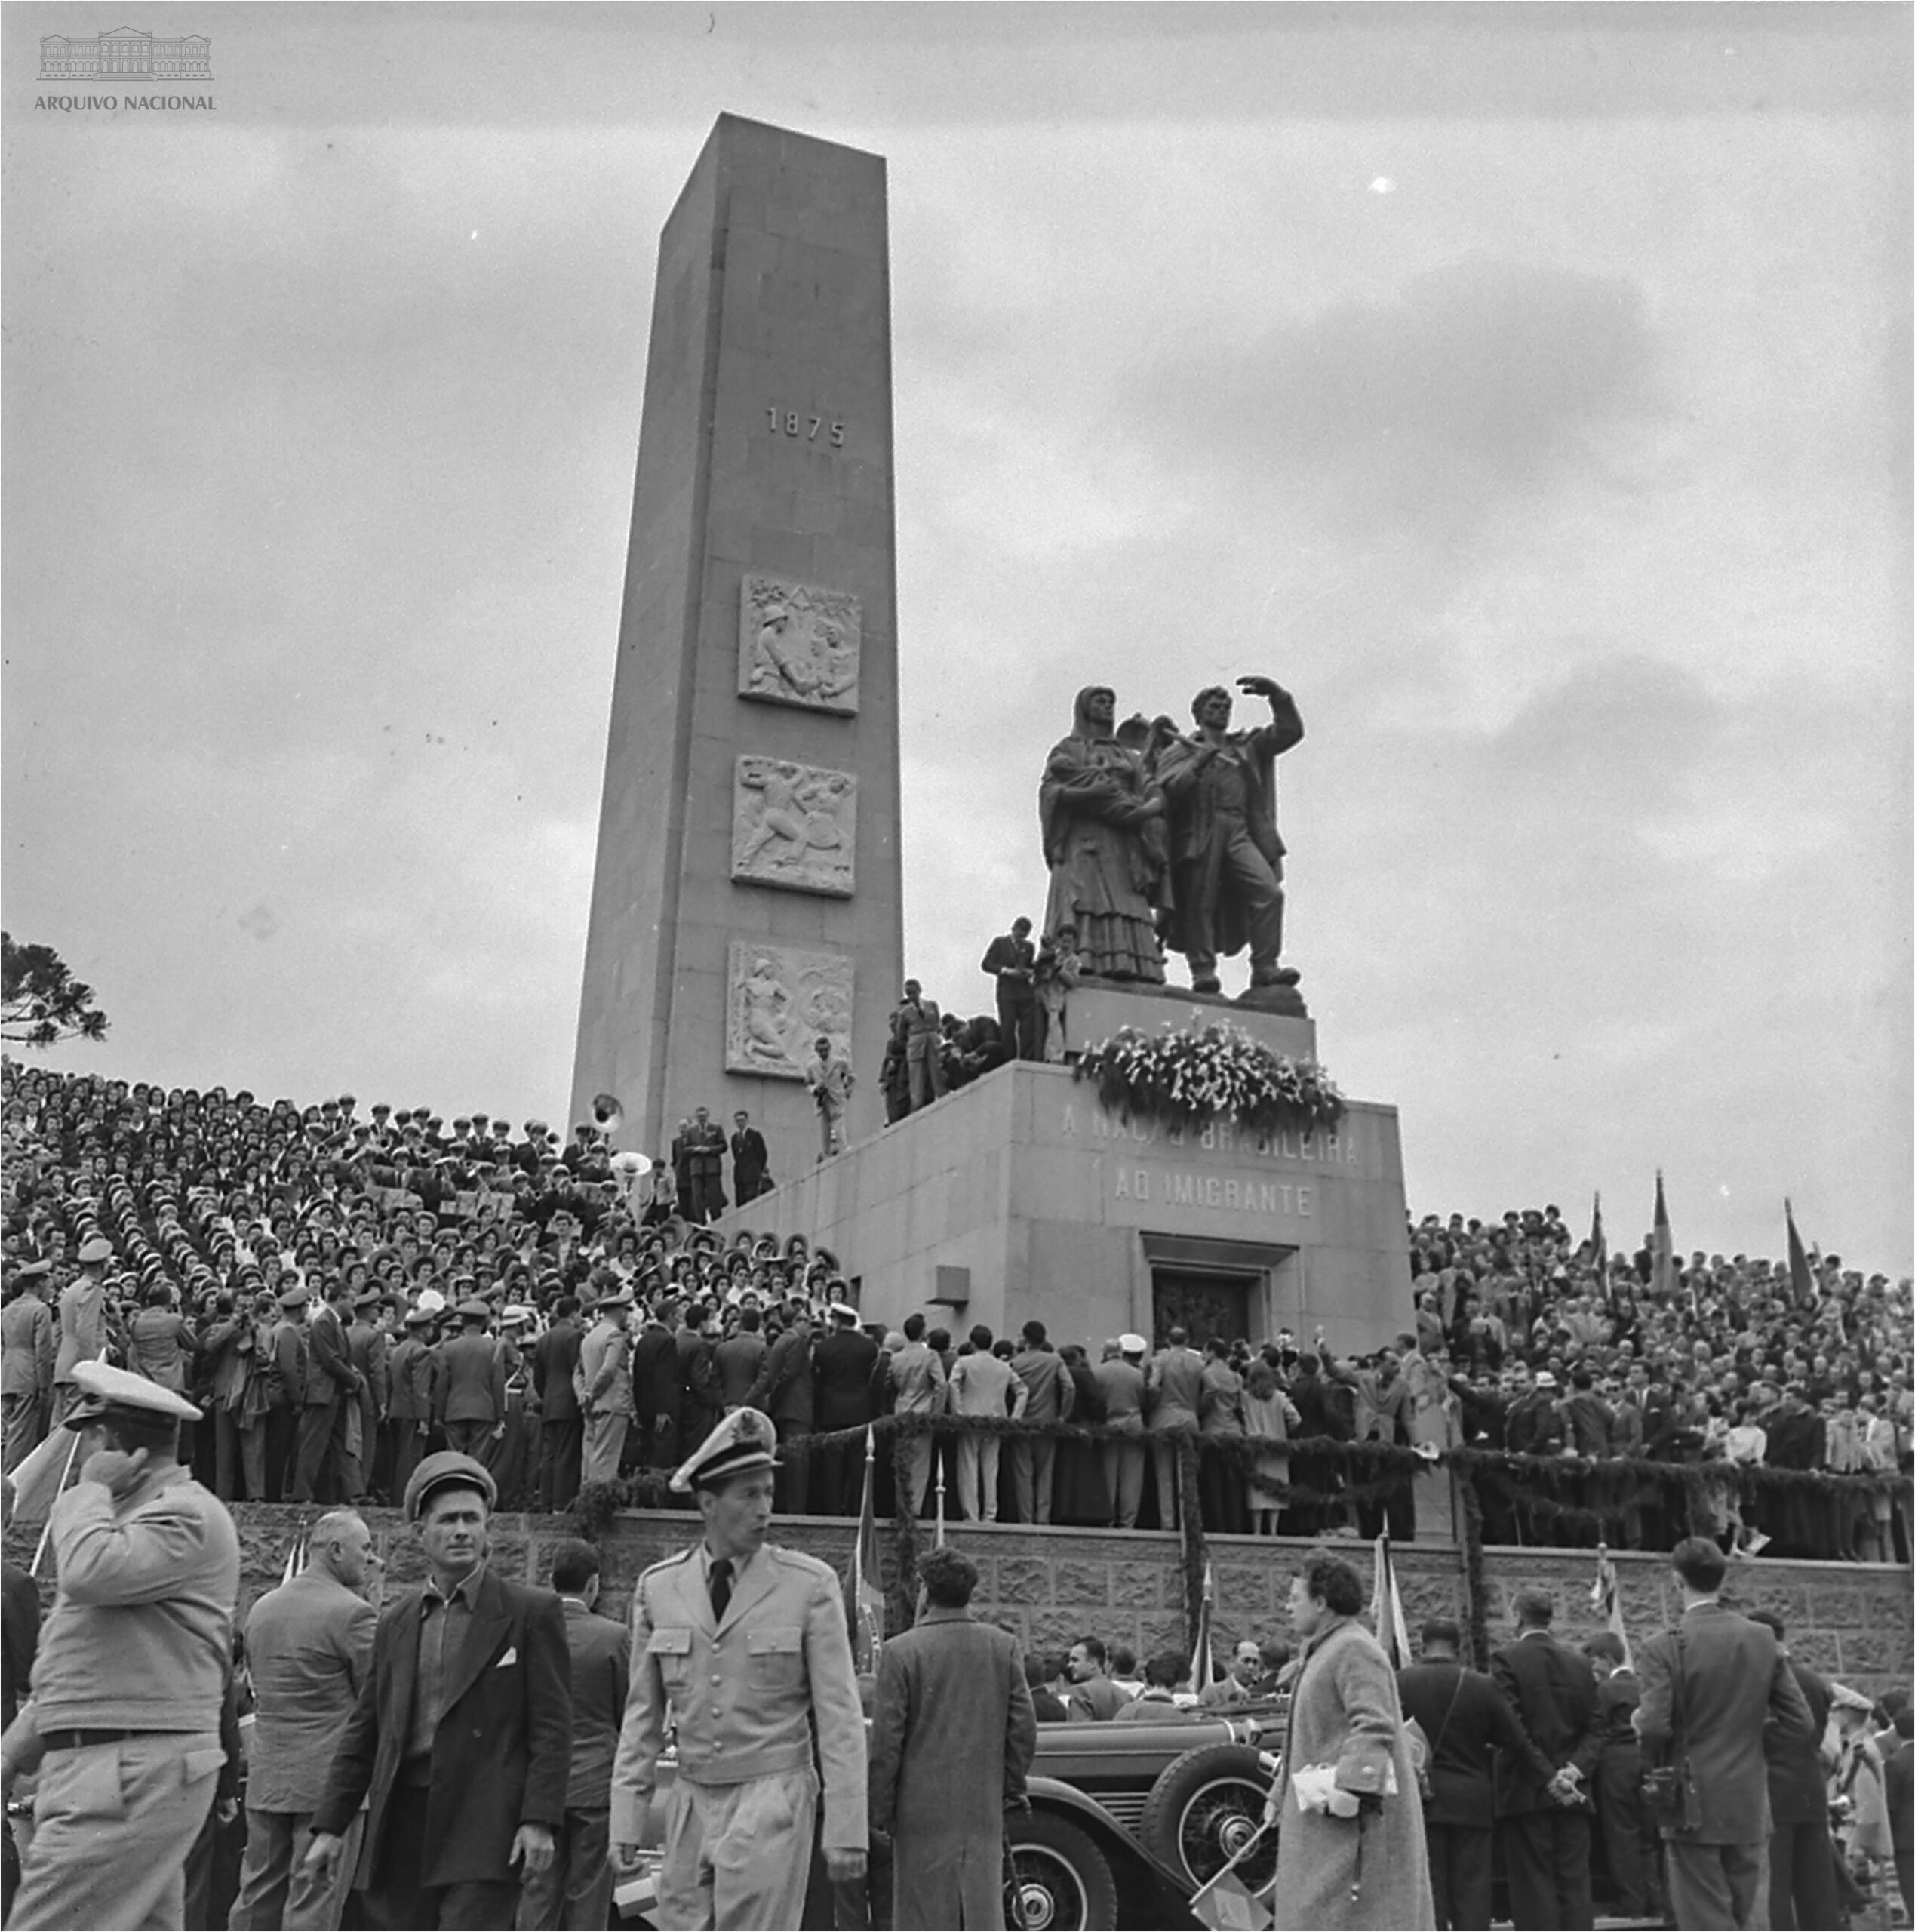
<point>747,895</point>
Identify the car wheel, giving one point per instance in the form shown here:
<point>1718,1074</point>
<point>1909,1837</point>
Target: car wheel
<point>1064,1882</point>
<point>1204,1808</point>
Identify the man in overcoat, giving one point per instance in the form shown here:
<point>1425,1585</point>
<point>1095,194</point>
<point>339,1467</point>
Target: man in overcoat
<point>1739,1700</point>
<point>460,1743</point>
<point>1350,1848</point>
<point>953,1733</point>
<point>745,1644</point>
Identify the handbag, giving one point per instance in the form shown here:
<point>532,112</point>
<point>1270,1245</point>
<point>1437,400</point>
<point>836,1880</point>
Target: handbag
<point>1669,1791</point>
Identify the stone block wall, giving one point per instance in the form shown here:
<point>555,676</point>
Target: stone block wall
<point>1049,1587</point>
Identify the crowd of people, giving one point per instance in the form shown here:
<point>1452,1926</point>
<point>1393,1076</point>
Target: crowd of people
<point>483,1753</point>
<point>343,1295</point>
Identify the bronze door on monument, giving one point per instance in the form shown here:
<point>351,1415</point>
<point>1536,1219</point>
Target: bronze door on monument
<point>1202,1304</point>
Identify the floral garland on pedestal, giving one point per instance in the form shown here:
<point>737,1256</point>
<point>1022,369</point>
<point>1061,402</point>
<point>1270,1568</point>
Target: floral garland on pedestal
<point>1185,1077</point>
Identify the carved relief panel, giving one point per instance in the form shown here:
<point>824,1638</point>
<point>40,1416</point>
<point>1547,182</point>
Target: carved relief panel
<point>779,1001</point>
<point>794,825</point>
<point>798,644</point>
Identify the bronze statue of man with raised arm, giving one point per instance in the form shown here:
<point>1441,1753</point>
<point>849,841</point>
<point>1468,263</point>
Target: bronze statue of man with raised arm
<point>1226,856</point>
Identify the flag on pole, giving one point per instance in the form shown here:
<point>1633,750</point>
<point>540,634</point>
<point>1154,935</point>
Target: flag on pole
<point>1662,1249</point>
<point>1605,1600</point>
<point>40,1475</point>
<point>1386,1615</point>
<point>1202,1669</point>
<point>864,1598</point>
<point>1802,1283</point>
<point>1599,1248</point>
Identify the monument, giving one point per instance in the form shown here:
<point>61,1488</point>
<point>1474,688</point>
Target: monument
<point>746,901</point>
<point>746,898</point>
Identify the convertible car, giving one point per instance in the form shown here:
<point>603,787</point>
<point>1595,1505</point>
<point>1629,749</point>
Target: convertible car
<point>1126,1822</point>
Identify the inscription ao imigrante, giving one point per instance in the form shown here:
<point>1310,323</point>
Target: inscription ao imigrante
<point>1241,1192</point>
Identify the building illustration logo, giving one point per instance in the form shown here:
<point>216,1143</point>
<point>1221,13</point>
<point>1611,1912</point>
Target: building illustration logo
<point>125,53</point>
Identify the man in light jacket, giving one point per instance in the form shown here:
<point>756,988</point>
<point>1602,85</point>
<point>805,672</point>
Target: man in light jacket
<point>983,1385</point>
<point>309,1644</point>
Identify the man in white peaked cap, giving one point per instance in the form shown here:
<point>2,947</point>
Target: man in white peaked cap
<point>747,1644</point>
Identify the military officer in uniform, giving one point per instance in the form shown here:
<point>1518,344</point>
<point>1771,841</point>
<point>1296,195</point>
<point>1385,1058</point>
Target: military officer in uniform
<point>124,1721</point>
<point>746,1643</point>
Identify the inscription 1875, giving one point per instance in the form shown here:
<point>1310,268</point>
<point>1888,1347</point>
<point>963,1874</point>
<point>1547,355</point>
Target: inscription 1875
<point>801,424</point>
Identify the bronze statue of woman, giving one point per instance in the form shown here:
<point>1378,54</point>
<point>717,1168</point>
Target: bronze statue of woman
<point>1102,819</point>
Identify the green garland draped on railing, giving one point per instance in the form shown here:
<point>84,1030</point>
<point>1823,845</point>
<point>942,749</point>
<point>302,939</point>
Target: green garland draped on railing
<point>1373,1470</point>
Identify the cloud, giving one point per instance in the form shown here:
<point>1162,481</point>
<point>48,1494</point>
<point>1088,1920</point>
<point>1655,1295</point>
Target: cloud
<point>1480,385</point>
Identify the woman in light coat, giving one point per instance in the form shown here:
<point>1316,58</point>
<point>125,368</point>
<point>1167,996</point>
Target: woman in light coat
<point>1350,1847</point>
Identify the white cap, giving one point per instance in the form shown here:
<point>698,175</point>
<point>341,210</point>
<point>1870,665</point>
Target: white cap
<point>101,1387</point>
<point>1133,1345</point>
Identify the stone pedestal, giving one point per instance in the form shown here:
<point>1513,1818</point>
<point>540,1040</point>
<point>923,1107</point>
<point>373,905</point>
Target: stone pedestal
<point>1020,1196</point>
<point>1098,1007</point>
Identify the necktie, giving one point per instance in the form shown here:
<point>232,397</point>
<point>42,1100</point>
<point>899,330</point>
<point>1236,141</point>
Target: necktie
<point>721,1587</point>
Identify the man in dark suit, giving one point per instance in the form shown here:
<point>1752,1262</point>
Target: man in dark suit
<point>1739,1700</point>
<point>1629,1840</point>
<point>784,1391</point>
<point>575,1890</point>
<point>369,1349</point>
<point>287,1371</point>
<point>1545,1822</point>
<point>1802,1889</point>
<point>561,1426</point>
<point>842,1371</point>
<point>470,1397</point>
<point>1465,1718</point>
<point>1011,961</point>
<point>698,1376</point>
<point>460,1742</point>
<point>331,1382</point>
<point>750,1158</point>
<point>656,1394</point>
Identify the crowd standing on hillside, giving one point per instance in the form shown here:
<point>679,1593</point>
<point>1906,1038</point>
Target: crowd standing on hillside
<point>344,1294</point>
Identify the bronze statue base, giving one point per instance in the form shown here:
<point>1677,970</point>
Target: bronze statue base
<point>1257,999</point>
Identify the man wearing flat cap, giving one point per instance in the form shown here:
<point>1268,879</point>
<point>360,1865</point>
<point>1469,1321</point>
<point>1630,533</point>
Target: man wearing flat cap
<point>746,1643</point>
<point>124,1721</point>
<point>460,1742</point>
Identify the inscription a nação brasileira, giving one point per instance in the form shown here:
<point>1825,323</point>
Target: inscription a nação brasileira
<point>1237,1193</point>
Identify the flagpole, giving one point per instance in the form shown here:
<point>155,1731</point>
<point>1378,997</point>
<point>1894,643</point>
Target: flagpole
<point>40,1548</point>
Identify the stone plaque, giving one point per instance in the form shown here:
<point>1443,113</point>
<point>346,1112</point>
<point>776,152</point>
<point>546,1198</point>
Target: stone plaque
<point>798,644</point>
<point>778,1001</point>
<point>794,825</point>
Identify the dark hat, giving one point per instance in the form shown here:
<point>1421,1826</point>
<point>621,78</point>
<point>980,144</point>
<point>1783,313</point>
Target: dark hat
<point>442,1471</point>
<point>473,1309</point>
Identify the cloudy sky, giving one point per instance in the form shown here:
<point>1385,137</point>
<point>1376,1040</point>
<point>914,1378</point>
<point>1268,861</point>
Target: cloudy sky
<point>1525,388</point>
